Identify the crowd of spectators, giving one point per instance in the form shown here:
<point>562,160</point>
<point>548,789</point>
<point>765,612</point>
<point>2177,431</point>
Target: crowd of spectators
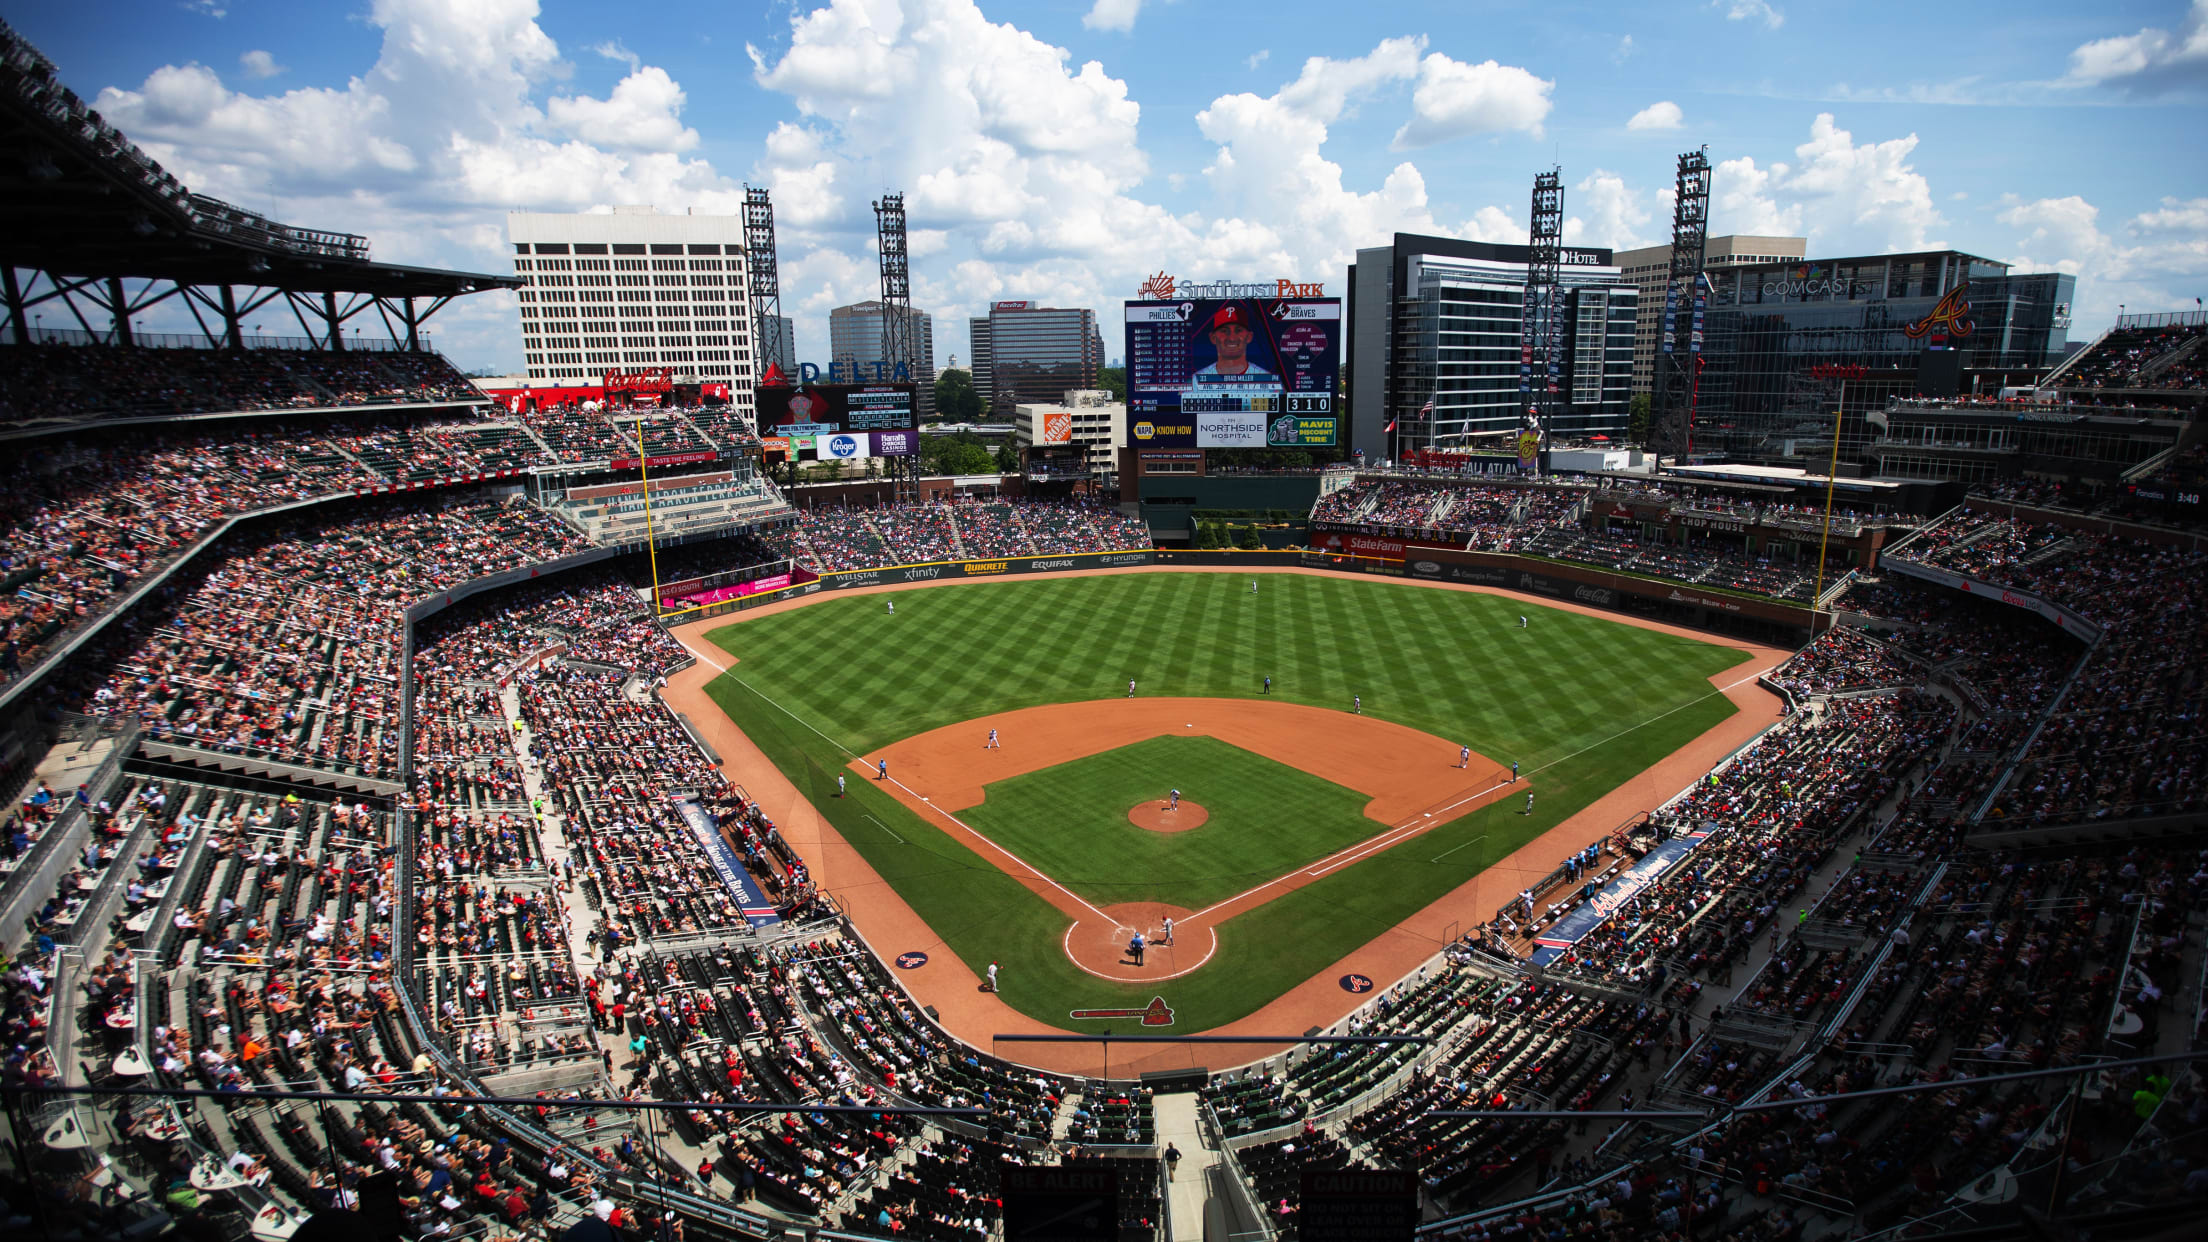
<point>1491,517</point>
<point>2124,358</point>
<point>1846,661</point>
<point>285,645</point>
<point>68,381</point>
<point>831,540</point>
<point>1770,815</point>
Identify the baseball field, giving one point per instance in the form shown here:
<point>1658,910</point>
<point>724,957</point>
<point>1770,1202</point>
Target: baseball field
<point>1374,777</point>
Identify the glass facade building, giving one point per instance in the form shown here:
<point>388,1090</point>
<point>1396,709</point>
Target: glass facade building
<point>1441,319</point>
<point>1788,343</point>
<point>855,340</point>
<point>1028,354</point>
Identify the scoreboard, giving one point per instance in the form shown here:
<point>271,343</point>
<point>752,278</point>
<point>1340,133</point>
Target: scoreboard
<point>1233,373</point>
<point>837,421</point>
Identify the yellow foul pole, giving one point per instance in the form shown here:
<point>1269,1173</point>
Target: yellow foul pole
<point>1831,469</point>
<point>651,544</point>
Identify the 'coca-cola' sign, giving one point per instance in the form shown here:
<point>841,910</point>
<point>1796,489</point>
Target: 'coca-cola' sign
<point>654,379</point>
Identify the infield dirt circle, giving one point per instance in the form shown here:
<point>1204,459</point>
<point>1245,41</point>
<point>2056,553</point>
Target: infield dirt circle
<point>1150,813</point>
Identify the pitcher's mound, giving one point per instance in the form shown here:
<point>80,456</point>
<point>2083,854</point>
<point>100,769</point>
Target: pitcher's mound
<point>1152,815</point>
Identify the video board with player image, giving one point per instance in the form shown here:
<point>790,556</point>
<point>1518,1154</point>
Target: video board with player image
<point>1233,373</point>
<point>832,422</point>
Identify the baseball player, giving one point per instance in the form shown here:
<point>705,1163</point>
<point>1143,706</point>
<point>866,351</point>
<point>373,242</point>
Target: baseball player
<point>1529,802</point>
<point>1268,685</point>
<point>1464,756</point>
<point>992,741</point>
<point>1130,687</point>
<point>1253,586</point>
<point>992,976</point>
<point>839,784</point>
<point>1165,934</point>
<point>1173,800</point>
<point>1357,704</point>
<point>892,607</point>
<point>1521,623</point>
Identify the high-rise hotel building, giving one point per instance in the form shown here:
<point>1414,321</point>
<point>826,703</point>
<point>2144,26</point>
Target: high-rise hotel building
<point>634,288</point>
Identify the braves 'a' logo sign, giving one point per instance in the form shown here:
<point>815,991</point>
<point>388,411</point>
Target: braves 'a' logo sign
<point>1950,316</point>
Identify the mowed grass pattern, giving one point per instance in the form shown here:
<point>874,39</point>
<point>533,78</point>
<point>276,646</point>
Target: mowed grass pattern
<point>1070,821</point>
<point>1581,702</point>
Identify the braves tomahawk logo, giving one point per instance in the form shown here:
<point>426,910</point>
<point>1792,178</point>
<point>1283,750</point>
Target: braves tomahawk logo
<point>1949,316</point>
<point>1155,1014</point>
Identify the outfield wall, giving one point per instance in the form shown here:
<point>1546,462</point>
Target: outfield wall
<point>1684,603</point>
<point>930,571</point>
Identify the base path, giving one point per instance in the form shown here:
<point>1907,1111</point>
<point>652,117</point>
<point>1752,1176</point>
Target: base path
<point>1413,779</point>
<point>889,925</point>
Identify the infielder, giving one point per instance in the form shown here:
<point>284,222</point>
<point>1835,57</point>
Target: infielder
<point>992,741</point>
<point>1464,756</point>
<point>1130,687</point>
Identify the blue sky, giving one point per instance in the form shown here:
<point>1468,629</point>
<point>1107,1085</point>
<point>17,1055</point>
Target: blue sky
<point>1059,150</point>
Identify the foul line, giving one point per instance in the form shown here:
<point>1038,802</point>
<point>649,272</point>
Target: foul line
<point>891,831</point>
<point>1393,836</point>
<point>1404,832</point>
<point>968,828</point>
<point>1446,853</point>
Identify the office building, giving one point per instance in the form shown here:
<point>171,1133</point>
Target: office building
<point>1081,432</point>
<point>633,289</point>
<point>1439,319</point>
<point>1786,344</point>
<point>1028,353</point>
<point>782,341</point>
<point>855,340</point>
<point>1648,267</point>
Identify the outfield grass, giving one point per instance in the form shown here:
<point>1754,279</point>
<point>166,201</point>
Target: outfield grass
<point>1580,701</point>
<point>1070,821</point>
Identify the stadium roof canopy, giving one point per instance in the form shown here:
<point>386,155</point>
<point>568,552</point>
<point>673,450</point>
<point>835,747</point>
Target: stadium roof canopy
<point>79,201</point>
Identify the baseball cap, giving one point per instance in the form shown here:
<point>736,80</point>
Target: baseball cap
<point>1229,315</point>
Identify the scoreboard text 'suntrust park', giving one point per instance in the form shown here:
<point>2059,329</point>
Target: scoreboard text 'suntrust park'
<point>1252,372</point>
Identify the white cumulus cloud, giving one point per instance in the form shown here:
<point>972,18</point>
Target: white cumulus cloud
<point>643,113</point>
<point>1457,100</point>
<point>428,148</point>
<point>2151,61</point>
<point>1663,114</point>
<point>259,64</point>
<point>2155,264</point>
<point>1613,213</point>
<point>1751,11</point>
<point>1112,15</point>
